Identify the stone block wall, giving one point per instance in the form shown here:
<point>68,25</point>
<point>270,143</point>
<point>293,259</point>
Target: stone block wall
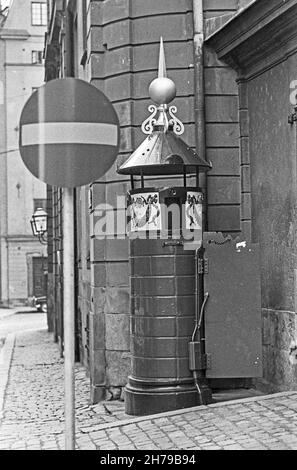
<point>272,157</point>
<point>264,73</point>
<point>122,59</point>
<point>279,328</point>
<point>3,172</point>
<point>224,185</point>
<point>123,48</point>
<point>20,252</point>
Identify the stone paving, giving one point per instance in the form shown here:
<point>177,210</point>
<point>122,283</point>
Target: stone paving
<point>7,312</point>
<point>33,415</point>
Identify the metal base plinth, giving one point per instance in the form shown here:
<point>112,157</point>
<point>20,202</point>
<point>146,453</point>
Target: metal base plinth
<point>141,402</point>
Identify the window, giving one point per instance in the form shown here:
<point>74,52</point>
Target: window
<point>37,57</point>
<point>38,14</point>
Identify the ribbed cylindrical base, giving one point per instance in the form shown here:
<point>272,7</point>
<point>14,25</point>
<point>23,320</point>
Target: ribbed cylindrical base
<point>162,324</point>
<point>142,399</point>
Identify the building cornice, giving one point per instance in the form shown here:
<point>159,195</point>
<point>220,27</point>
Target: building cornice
<point>21,64</point>
<point>257,37</point>
<point>20,238</point>
<point>14,34</point>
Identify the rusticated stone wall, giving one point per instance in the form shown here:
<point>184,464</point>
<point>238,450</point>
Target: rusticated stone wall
<point>222,129</point>
<point>272,144</point>
<point>123,47</point>
<point>122,59</point>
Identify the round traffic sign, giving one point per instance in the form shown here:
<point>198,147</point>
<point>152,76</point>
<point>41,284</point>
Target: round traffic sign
<point>69,133</point>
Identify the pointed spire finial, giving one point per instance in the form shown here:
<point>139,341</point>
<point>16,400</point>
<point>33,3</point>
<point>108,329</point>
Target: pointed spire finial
<point>162,73</point>
<point>162,90</point>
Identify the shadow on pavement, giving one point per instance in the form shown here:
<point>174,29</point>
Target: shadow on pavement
<point>23,312</point>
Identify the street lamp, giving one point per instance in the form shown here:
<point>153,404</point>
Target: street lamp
<point>39,225</point>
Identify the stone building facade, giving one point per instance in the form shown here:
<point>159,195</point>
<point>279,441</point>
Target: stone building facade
<point>21,72</point>
<point>264,55</point>
<point>250,190</point>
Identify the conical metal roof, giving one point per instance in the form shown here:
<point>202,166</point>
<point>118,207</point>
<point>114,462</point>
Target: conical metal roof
<point>163,152</point>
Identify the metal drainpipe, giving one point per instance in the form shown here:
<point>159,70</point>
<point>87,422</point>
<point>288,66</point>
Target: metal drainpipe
<point>198,21</point>
<point>199,76</point>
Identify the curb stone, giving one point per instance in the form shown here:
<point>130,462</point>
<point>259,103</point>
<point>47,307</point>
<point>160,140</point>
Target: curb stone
<point>5,362</point>
<point>5,314</point>
<point>140,419</point>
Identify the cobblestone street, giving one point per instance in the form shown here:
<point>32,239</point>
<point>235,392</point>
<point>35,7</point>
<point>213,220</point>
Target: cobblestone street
<point>148,227</point>
<point>33,413</point>
<point>33,416</point>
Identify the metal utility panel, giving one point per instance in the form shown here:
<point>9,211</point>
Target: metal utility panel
<point>233,332</point>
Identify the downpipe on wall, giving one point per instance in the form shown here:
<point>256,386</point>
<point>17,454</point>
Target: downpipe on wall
<point>198,21</point>
<point>195,347</point>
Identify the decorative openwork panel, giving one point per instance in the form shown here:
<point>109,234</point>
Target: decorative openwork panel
<point>144,212</point>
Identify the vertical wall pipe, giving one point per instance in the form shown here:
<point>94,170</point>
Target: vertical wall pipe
<point>199,90</point>
<point>199,76</point>
<point>198,23</point>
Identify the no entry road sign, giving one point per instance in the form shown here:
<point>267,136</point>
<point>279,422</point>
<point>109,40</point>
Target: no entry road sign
<point>69,133</point>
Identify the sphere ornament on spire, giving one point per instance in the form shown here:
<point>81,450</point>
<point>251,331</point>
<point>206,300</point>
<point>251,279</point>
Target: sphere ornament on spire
<point>162,90</point>
<point>163,152</point>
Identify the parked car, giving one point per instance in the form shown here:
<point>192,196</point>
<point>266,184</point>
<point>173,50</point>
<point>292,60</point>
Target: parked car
<point>40,303</point>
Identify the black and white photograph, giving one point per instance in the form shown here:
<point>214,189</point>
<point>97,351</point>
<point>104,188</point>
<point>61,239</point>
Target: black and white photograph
<point>148,221</point>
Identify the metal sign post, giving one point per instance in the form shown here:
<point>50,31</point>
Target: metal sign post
<point>69,137</point>
<point>68,312</point>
